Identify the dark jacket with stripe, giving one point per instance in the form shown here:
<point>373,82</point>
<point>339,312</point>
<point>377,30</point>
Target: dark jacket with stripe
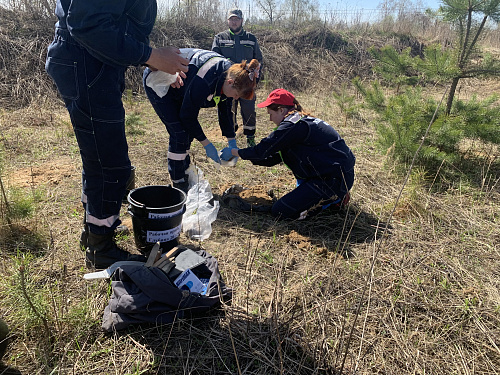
<point>238,47</point>
<point>310,147</point>
<point>203,89</point>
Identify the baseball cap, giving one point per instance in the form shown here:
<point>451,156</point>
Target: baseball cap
<point>278,96</point>
<point>235,13</point>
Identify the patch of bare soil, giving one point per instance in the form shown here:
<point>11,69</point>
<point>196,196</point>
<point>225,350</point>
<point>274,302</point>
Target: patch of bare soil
<point>300,241</point>
<point>52,172</point>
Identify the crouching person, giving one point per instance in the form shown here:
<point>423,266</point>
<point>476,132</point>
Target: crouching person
<point>319,158</point>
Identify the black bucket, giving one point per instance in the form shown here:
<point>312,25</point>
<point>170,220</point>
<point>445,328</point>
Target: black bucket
<point>156,212</point>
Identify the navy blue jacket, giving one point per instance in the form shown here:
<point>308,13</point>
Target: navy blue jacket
<point>310,147</point>
<point>115,32</point>
<point>203,89</point>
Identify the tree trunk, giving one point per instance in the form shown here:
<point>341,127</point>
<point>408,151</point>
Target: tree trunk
<point>451,95</point>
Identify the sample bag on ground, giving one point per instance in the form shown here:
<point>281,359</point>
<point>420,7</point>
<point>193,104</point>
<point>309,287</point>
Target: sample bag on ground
<point>201,207</point>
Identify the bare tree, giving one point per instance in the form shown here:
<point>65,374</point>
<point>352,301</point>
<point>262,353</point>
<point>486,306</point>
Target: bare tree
<point>301,10</point>
<point>271,9</point>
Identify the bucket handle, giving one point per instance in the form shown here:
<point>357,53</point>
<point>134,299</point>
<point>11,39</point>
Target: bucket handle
<point>138,204</point>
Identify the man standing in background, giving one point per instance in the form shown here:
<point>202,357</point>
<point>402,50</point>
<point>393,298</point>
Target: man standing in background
<point>237,44</point>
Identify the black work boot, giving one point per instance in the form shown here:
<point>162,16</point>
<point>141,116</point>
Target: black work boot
<point>184,185</point>
<point>250,141</point>
<point>102,251</point>
<point>84,236</point>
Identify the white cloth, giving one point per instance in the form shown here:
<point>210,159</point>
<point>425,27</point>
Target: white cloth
<point>160,81</point>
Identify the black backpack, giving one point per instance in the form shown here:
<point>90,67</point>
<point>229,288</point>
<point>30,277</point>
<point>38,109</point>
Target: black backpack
<point>146,293</point>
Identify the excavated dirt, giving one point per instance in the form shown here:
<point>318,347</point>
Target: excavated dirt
<point>254,195</point>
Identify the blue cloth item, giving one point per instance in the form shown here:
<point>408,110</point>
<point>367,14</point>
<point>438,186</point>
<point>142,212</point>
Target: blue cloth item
<point>202,89</point>
<point>212,152</point>
<point>180,140</point>
<point>114,32</point>
<point>324,207</point>
<point>310,147</point>
<point>94,43</point>
<point>147,295</point>
<point>232,143</point>
<point>248,115</point>
<point>317,155</point>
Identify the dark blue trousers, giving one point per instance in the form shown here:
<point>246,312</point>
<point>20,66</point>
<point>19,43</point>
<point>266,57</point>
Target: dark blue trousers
<point>92,92</point>
<point>311,196</point>
<point>248,116</point>
<point>167,108</point>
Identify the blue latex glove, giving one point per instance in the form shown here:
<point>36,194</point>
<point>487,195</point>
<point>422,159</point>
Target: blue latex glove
<point>212,152</point>
<point>232,143</point>
<point>226,153</point>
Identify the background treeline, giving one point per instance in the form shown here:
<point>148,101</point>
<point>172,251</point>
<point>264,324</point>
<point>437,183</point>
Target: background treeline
<point>299,53</point>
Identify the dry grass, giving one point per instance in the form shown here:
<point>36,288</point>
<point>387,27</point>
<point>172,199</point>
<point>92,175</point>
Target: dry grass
<point>333,294</point>
<point>430,305</point>
<point>24,38</point>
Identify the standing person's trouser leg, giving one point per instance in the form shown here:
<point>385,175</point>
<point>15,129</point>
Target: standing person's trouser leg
<point>92,93</point>
<point>248,115</point>
<point>167,109</point>
<point>234,110</point>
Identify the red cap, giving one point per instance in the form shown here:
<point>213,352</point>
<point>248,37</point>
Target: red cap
<point>278,96</point>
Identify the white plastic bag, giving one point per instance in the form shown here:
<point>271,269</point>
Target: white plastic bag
<point>201,207</point>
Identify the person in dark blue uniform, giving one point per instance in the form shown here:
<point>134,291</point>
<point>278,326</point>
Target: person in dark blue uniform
<point>95,41</point>
<point>318,157</point>
<point>212,80</point>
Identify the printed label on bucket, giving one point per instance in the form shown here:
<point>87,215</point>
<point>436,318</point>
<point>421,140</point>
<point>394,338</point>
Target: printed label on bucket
<point>152,215</point>
<point>163,235</point>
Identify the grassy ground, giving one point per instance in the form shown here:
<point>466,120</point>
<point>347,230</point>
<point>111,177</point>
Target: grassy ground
<point>384,288</point>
